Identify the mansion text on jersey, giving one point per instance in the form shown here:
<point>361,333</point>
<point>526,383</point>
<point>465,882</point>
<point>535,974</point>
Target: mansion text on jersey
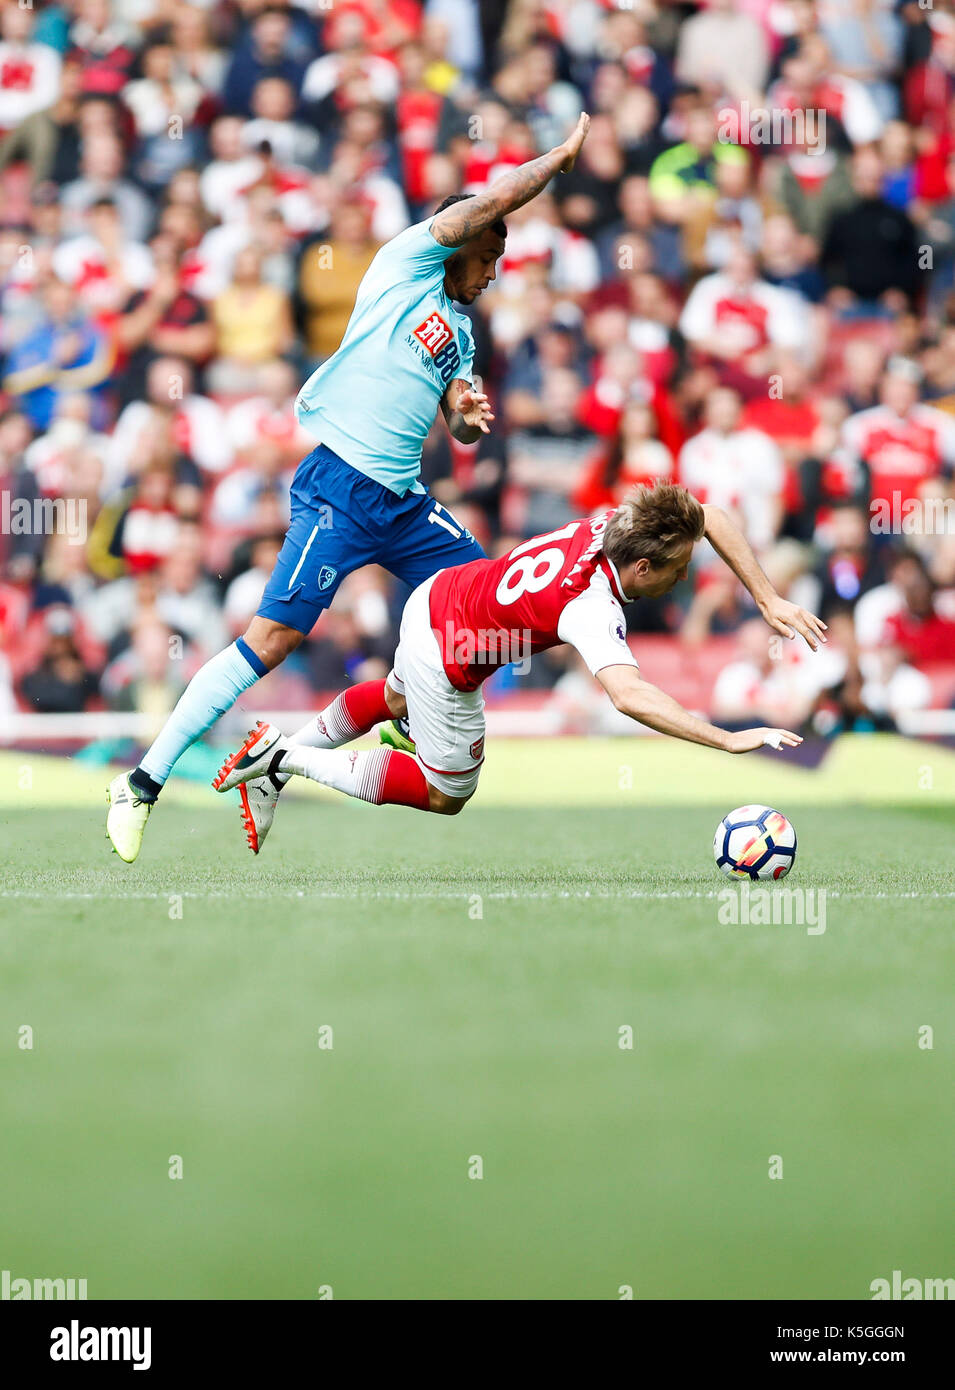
<point>44,516</point>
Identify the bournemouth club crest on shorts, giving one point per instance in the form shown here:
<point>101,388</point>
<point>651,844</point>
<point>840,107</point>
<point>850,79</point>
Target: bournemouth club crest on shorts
<point>326,577</point>
<point>477,749</point>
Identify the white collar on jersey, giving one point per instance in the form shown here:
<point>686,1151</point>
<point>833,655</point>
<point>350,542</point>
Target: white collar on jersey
<point>615,577</point>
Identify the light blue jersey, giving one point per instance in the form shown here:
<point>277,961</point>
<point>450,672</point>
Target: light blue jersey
<point>374,400</point>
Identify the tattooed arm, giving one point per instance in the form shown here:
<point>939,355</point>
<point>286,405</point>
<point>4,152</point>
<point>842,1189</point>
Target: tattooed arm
<point>467,219</point>
<point>467,411</point>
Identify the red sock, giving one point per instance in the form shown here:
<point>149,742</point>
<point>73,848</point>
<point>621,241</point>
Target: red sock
<point>394,779</point>
<point>354,712</point>
<point>382,776</point>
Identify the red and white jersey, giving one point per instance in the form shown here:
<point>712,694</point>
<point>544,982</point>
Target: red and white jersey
<point>850,102</point>
<point>103,287</point>
<point>845,98</point>
<point>256,420</point>
<point>199,427</point>
<point>29,81</point>
<point>222,182</point>
<point>573,261</point>
<point>811,170</point>
<point>746,320</point>
<point>742,472</point>
<point>324,76</point>
<point>652,340</point>
<point>902,451</point>
<point>551,589</point>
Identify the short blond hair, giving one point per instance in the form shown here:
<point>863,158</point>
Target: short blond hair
<point>653,523</point>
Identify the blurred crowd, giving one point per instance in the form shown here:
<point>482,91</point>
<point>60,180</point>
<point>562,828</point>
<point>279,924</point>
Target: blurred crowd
<point>746,284</point>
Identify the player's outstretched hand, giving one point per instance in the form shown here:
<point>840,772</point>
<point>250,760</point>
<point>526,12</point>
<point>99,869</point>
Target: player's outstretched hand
<point>475,410</point>
<point>788,619</point>
<point>573,143</point>
<point>748,740</point>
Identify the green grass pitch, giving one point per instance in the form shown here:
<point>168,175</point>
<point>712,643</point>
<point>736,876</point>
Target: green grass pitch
<point>476,974</point>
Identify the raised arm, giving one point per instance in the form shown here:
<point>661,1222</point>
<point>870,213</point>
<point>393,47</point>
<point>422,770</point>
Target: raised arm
<point>467,219</point>
<point>734,550</point>
<point>650,705</point>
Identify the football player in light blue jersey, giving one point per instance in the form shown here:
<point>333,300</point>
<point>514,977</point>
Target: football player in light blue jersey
<point>356,498</point>
<point>403,319</point>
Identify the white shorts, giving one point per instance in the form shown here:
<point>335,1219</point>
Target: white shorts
<point>447,725</point>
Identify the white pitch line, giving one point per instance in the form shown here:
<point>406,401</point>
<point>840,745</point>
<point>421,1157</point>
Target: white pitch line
<point>581,895</point>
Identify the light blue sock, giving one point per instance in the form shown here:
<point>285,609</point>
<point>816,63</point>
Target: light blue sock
<point>213,689</point>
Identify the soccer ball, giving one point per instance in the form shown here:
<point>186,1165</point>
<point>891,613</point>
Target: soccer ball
<point>755,842</point>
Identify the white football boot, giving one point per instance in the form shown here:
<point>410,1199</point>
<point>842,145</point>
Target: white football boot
<point>259,756</point>
<point>259,799</point>
<point>126,818</point>
<point>253,768</point>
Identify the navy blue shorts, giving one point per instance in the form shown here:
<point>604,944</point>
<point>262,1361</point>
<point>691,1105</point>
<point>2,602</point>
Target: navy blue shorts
<point>341,520</point>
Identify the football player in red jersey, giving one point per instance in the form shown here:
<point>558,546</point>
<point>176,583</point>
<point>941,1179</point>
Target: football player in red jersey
<point>464,623</point>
